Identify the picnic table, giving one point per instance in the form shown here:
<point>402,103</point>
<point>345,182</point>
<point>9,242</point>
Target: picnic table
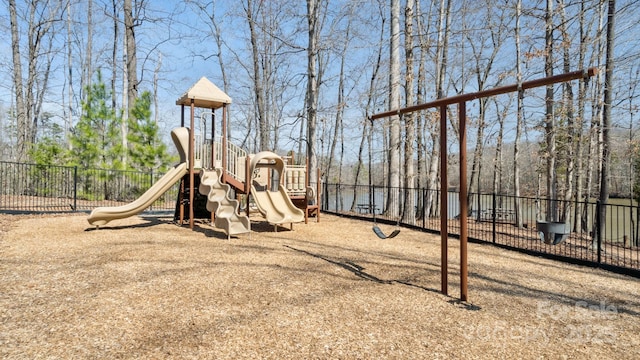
<point>366,208</point>
<point>501,214</point>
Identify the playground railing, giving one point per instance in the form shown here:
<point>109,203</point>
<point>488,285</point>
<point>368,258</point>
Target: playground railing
<point>235,156</point>
<point>504,220</point>
<point>294,180</point>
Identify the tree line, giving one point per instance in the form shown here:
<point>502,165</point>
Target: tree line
<point>306,76</point>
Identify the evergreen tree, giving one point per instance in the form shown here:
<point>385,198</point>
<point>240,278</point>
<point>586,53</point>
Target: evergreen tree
<point>49,148</point>
<point>146,151</point>
<point>96,142</point>
<point>95,138</point>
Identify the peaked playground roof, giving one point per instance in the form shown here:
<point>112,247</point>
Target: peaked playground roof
<point>204,94</point>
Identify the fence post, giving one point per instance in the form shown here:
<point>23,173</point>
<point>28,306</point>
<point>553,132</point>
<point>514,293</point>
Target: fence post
<point>599,230</point>
<point>75,188</point>
<point>151,185</point>
<point>493,216</point>
<point>424,206</point>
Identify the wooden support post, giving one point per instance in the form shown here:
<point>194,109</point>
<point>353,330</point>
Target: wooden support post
<point>213,139</point>
<point>191,161</point>
<point>224,143</point>
<point>181,190</point>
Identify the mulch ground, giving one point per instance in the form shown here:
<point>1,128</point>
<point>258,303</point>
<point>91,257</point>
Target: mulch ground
<point>146,288</point>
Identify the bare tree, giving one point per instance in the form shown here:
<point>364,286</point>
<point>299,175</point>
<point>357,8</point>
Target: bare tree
<point>29,95</point>
<point>394,104</point>
<point>420,98</point>
<point>432,119</point>
<point>88,59</point>
<point>258,82</point>
<point>603,199</point>
<point>368,109</point>
<point>573,126</point>
<point>70,105</point>
<point>311,98</point>
<point>519,118</point>
<point>131,60</point>
<point>114,53</point>
<point>338,131</point>
<point>485,48</point>
<point>550,118</point>
<point>409,213</point>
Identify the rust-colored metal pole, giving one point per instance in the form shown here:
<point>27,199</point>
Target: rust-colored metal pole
<point>462,120</point>
<point>444,229</point>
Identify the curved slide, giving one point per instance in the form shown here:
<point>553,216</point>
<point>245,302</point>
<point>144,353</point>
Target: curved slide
<point>275,206</point>
<point>219,203</point>
<point>103,215</point>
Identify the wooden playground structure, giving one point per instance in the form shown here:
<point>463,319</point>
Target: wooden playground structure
<point>227,173</point>
<point>207,152</point>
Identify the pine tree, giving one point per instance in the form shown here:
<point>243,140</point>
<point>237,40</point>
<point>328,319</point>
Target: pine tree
<point>146,151</point>
<point>96,139</point>
<point>50,148</point>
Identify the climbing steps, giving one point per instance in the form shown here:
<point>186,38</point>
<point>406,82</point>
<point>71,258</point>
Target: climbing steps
<point>221,205</point>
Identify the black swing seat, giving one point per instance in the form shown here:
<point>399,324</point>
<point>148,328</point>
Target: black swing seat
<point>381,235</point>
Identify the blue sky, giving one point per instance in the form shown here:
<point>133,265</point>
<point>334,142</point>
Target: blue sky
<point>186,47</point>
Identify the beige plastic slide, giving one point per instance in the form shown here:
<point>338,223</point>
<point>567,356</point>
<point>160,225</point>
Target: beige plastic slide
<point>224,207</point>
<point>103,215</point>
<point>275,206</point>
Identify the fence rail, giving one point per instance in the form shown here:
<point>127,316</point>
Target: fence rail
<point>507,221</point>
<point>503,220</point>
<point>46,188</point>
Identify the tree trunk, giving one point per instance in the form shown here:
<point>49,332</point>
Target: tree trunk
<point>69,117</point>
<point>420,118</point>
<point>312,83</point>
<point>582,91</point>
<point>594,160</point>
<point>131,59</point>
<point>114,54</point>
<point>338,128</point>
<point>394,104</point>
<point>573,127</point>
<point>606,123</point>
<point>124,131</point>
<point>519,121</point>
<point>367,127</point>
<point>550,121</point>
<point>156,100</point>
<point>29,96</point>
<point>88,60</point>
<point>409,212</point>
<point>22,114</point>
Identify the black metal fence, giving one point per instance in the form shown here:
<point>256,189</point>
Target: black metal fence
<point>565,230</point>
<point>526,224</point>
<point>28,188</point>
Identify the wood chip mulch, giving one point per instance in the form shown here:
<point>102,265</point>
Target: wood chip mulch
<point>146,288</point>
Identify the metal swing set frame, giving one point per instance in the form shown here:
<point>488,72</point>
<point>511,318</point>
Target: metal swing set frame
<point>462,99</point>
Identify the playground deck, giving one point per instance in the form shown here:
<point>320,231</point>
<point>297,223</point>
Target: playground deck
<point>143,287</point>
